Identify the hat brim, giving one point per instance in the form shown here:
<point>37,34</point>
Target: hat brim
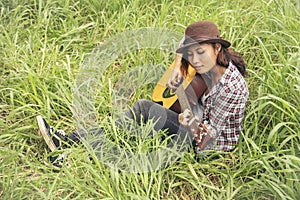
<point>224,43</point>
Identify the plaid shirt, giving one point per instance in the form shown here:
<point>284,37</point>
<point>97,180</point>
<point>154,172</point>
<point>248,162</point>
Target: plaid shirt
<point>224,109</point>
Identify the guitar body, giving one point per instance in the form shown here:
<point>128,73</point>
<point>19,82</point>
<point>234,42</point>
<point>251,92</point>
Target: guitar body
<point>193,84</point>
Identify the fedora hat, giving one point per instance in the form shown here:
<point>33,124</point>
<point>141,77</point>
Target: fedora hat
<point>200,32</point>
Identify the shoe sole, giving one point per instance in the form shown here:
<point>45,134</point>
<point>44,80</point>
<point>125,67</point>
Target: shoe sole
<point>44,132</point>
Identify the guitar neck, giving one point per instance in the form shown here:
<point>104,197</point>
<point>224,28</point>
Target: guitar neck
<point>182,98</point>
<point>201,136</point>
<point>185,104</point>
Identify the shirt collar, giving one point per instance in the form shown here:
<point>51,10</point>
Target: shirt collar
<point>223,80</point>
<point>228,71</point>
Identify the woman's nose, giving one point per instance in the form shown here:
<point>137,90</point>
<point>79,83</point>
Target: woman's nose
<point>196,60</point>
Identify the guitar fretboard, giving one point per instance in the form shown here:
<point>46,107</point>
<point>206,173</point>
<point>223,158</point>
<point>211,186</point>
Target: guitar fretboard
<point>182,98</point>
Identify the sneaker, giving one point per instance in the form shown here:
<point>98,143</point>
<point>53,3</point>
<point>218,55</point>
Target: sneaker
<point>52,137</point>
<point>58,160</point>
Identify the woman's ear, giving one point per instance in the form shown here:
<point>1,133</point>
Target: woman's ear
<point>218,48</point>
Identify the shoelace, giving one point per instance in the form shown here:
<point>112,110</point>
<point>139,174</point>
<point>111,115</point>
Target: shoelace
<point>60,133</point>
<point>61,157</point>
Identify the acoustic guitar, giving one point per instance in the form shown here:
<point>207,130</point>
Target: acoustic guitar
<point>193,85</point>
<point>191,89</point>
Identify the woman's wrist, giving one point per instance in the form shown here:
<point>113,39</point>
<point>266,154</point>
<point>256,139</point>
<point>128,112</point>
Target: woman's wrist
<point>178,59</point>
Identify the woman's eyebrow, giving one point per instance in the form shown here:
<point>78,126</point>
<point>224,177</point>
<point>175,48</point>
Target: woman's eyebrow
<point>199,48</point>
<point>196,49</point>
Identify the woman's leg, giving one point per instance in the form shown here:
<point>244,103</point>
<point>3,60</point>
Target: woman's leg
<point>165,119</point>
<point>141,112</point>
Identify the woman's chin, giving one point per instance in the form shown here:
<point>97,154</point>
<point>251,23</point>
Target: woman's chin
<point>201,71</point>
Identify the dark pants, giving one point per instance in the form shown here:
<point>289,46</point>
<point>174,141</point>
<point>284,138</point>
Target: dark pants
<point>141,112</point>
<point>122,158</point>
<point>144,110</point>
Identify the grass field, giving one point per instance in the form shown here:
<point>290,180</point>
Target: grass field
<point>43,45</point>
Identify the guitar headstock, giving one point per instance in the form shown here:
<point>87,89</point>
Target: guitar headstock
<point>202,135</point>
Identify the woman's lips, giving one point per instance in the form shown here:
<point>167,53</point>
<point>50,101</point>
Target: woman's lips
<point>198,67</point>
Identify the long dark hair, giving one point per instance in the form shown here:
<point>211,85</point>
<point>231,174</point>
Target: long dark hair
<point>225,56</point>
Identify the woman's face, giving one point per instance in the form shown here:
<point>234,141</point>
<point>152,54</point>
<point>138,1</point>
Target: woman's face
<point>203,57</point>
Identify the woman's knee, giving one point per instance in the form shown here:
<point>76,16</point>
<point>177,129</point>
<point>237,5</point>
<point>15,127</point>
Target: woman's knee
<point>140,108</point>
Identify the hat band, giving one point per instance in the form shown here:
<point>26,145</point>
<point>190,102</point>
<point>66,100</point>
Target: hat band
<point>189,40</point>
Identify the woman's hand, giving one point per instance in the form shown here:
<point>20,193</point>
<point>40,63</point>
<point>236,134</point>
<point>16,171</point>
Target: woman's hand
<point>176,76</point>
<point>185,120</point>
<point>185,117</point>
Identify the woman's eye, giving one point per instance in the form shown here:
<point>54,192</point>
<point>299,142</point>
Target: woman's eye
<point>200,52</point>
<point>189,54</point>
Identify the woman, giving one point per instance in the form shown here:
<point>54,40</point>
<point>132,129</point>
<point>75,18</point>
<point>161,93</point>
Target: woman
<point>223,102</point>
<point>223,70</point>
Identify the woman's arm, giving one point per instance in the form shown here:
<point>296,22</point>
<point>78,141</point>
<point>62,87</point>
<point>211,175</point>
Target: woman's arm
<point>176,76</point>
<point>225,115</point>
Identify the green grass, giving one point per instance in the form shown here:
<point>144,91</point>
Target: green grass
<point>43,44</point>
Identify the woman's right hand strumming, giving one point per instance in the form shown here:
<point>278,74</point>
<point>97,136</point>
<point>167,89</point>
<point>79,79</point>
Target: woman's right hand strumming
<point>176,76</point>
